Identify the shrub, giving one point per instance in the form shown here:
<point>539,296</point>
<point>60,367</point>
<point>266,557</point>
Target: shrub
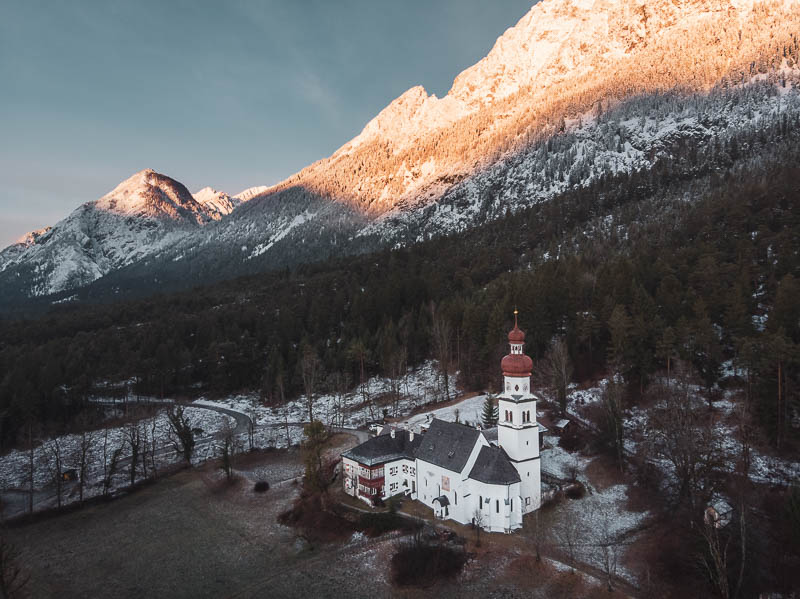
<point>419,563</point>
<point>575,491</point>
<point>317,517</point>
<point>375,525</point>
<point>261,486</point>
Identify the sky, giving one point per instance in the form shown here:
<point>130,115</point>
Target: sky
<point>227,94</point>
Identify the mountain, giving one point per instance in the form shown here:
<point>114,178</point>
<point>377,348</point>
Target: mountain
<point>216,203</point>
<point>576,92</point>
<point>142,215</point>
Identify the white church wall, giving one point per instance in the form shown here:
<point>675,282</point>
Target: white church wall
<point>500,505</point>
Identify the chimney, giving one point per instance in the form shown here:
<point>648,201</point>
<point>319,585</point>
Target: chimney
<point>391,432</point>
<point>410,435</point>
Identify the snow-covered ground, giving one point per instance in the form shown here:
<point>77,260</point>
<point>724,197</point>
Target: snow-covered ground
<point>353,409</point>
<point>156,450</point>
<point>765,468</point>
<point>467,411</point>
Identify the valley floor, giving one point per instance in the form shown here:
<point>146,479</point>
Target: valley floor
<point>193,535</point>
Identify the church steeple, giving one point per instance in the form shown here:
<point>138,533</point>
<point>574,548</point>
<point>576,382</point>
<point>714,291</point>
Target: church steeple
<point>518,432</point>
<point>516,365</point>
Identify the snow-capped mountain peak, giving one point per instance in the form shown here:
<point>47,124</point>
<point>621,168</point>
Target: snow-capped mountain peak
<point>149,194</point>
<point>216,203</point>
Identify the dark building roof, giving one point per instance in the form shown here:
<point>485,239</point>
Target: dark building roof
<point>384,448</point>
<point>443,500</point>
<point>447,444</point>
<point>493,467</point>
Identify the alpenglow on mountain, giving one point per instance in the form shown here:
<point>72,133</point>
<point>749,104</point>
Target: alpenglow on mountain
<point>577,91</point>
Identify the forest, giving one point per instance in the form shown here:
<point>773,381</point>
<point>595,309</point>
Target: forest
<point>635,271</point>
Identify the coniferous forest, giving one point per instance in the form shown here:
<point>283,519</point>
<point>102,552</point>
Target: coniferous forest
<point>636,271</point>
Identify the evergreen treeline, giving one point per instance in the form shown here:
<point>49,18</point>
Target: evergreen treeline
<point>638,269</point>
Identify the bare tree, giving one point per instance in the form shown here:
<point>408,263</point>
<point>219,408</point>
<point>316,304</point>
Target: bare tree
<point>286,426</point>
<point>479,521</point>
<point>311,368</point>
<point>133,435</point>
<point>13,578</point>
<point>54,459</point>
<point>153,444</point>
<point>397,368</point>
<point>182,435</point>
<point>685,436</point>
<point>252,417</point>
<point>83,458</point>
<point>717,559</point>
<point>559,370</point>
<point>110,462</point>
<point>358,353</point>
<point>31,465</point>
<point>442,338</point>
<point>538,534</point>
<point>614,430</point>
<point>568,534</point>
<point>609,546</point>
<point>228,449</point>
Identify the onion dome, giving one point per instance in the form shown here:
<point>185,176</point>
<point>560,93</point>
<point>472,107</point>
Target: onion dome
<point>517,365</point>
<point>516,335</point>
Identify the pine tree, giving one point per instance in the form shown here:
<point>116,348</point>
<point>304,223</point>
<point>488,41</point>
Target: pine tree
<point>491,413</point>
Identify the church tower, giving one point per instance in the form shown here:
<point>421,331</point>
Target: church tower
<point>518,433</point>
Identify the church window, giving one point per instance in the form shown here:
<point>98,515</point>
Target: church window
<point>480,501</point>
<point>455,497</point>
<point>516,387</point>
<point>527,500</point>
<point>497,505</point>
<point>512,505</point>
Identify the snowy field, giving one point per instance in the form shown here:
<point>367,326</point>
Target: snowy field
<point>156,452</point>
<point>354,409</point>
<point>636,422</point>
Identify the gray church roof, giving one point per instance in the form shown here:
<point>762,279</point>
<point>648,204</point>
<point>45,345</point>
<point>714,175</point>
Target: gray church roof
<point>384,448</point>
<point>447,444</point>
<point>493,467</point>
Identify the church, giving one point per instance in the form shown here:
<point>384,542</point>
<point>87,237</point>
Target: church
<point>488,477</point>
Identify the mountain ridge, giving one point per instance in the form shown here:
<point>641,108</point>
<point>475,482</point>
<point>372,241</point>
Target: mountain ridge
<point>549,108</point>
